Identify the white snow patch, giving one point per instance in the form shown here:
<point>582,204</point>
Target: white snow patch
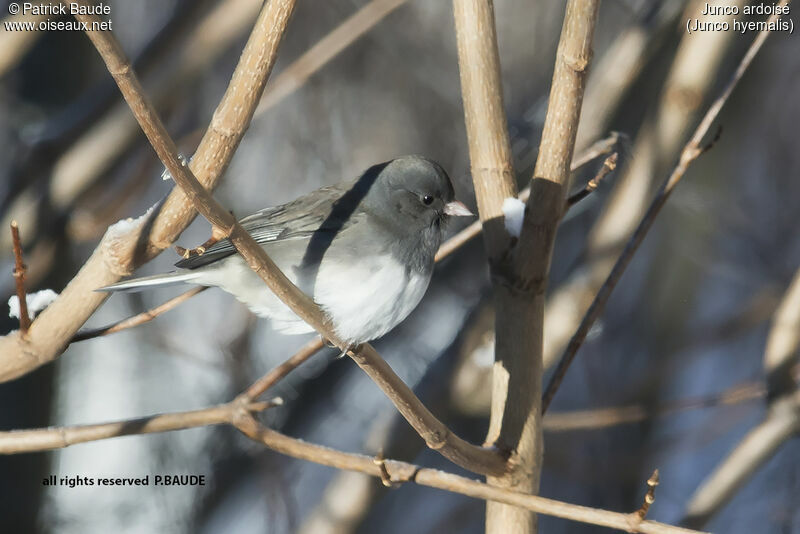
<point>36,303</point>
<point>125,226</point>
<point>514,212</point>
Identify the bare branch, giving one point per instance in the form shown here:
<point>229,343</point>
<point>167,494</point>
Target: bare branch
<point>43,439</point>
<point>599,148</point>
<point>599,418</point>
<point>782,421</point>
<point>138,319</point>
<point>521,278</point>
<point>609,165</point>
<point>402,472</point>
<point>119,253</point>
<point>19,279</point>
<point>324,50</point>
<point>691,151</point>
<point>268,380</point>
<point>650,496</point>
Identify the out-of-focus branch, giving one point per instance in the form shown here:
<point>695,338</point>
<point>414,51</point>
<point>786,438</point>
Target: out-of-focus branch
<point>693,149</point>
<point>436,434</point>
<point>691,77</point>
<point>324,50</point>
<point>44,439</point>
<point>600,418</point>
<point>138,319</point>
<point>271,378</point>
<point>402,472</point>
<point>14,44</point>
<point>19,280</point>
<point>782,421</point>
<point>122,250</point>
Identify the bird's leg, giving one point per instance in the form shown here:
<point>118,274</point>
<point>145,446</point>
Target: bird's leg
<point>216,235</point>
<point>349,348</point>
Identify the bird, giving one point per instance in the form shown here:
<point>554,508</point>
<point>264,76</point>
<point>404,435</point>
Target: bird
<point>362,249</point>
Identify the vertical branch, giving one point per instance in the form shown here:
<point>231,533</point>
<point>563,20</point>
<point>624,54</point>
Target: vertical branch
<point>515,417</point>
<point>484,114</point>
<point>19,278</point>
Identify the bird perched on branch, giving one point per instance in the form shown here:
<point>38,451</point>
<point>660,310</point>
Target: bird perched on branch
<point>363,249</point>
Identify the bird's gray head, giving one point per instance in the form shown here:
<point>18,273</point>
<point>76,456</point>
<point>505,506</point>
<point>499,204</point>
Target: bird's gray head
<point>414,191</point>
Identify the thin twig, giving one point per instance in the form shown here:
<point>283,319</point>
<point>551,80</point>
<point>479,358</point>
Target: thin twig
<point>138,319</point>
<point>609,165</point>
<point>272,377</point>
<point>650,496</point>
<point>19,279</point>
<point>693,149</point>
<point>403,472</point>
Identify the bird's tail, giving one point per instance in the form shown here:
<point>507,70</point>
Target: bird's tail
<point>140,284</point>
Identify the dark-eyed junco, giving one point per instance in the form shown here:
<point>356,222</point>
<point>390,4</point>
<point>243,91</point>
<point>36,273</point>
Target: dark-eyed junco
<point>363,249</point>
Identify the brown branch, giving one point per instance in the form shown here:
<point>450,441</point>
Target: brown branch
<point>120,252</point>
<point>324,50</point>
<point>44,439</point>
<point>403,472</point>
<point>138,319</point>
<point>599,148</point>
<point>521,280</point>
<point>691,151</point>
<point>268,380</point>
<point>436,434</point>
<point>620,415</point>
<point>650,496</point>
<point>19,280</point>
<point>609,165</point>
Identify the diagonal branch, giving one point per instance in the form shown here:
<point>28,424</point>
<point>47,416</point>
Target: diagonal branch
<point>123,249</point>
<point>693,149</point>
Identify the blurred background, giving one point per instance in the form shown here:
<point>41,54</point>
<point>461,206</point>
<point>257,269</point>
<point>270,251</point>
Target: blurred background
<point>675,376</point>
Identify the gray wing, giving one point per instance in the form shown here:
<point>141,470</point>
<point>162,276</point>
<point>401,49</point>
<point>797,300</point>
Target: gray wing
<point>300,218</point>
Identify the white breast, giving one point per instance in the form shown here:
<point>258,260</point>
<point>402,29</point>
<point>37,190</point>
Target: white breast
<point>365,299</point>
<point>370,297</point>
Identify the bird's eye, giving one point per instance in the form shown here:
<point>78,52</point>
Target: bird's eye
<point>427,200</point>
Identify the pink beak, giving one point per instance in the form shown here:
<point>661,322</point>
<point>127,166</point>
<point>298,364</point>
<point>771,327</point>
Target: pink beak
<point>457,208</point>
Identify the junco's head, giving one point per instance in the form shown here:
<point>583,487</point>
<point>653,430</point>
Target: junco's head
<point>412,189</point>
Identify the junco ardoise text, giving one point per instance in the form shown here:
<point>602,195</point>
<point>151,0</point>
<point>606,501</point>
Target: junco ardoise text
<point>363,249</point>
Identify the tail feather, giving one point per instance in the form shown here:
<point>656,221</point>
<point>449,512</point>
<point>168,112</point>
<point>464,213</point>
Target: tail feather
<point>140,284</point>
